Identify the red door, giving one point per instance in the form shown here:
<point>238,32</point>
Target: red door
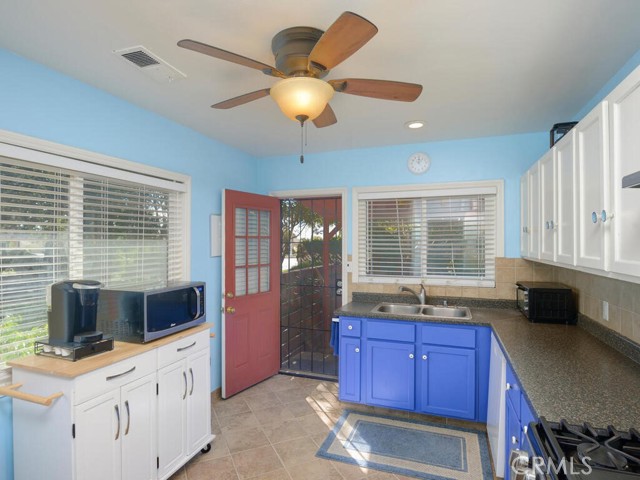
<point>251,325</point>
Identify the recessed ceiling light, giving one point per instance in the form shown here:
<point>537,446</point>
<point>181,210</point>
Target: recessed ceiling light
<point>414,124</point>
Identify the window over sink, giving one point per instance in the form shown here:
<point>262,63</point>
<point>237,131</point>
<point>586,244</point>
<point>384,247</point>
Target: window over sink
<point>438,234</point>
<point>73,218</point>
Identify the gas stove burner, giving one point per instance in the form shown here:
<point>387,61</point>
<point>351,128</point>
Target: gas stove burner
<point>598,455</point>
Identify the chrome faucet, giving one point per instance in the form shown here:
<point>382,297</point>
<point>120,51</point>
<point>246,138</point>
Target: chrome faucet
<point>421,297</point>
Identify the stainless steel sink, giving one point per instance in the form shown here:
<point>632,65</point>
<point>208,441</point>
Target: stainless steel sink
<point>433,311</point>
<point>456,312</point>
<point>399,309</point>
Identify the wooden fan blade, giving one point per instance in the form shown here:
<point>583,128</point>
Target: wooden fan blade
<point>326,118</point>
<point>341,40</point>
<point>242,99</point>
<point>383,89</point>
<point>216,52</point>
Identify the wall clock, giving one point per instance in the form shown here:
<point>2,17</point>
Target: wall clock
<point>418,163</point>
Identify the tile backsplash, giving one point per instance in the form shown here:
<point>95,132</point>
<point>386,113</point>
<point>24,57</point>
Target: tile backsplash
<point>508,271</point>
<point>591,291</point>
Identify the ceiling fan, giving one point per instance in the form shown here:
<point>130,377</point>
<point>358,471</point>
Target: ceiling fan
<point>303,56</point>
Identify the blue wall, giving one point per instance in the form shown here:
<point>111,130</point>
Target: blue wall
<point>506,157</point>
<point>40,102</point>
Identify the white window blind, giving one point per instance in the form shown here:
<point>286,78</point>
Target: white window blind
<point>441,237</point>
<point>58,224</point>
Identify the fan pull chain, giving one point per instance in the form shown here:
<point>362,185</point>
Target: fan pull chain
<point>302,119</point>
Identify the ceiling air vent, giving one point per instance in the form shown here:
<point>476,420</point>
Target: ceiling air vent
<point>150,64</point>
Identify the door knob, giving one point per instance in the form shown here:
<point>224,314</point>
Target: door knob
<point>230,295</point>
<point>231,310</point>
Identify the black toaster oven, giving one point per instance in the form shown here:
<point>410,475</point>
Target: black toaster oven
<point>546,302</point>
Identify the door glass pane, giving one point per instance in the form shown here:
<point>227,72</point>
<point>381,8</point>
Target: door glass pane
<point>264,279</point>
<point>264,251</point>
<point>241,222</point>
<point>252,280</point>
<point>253,251</point>
<point>265,216</point>
<point>241,282</point>
<point>241,252</point>
<point>253,223</point>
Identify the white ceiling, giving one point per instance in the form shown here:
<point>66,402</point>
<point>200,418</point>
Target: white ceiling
<point>488,67</point>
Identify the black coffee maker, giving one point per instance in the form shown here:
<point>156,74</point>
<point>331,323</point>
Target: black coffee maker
<point>74,305</point>
<point>73,308</point>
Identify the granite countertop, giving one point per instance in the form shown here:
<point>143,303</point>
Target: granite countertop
<point>566,372</point>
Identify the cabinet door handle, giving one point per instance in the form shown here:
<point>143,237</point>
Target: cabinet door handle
<point>184,375</point>
<point>126,406</point>
<point>514,440</point>
<point>187,347</point>
<point>111,377</point>
<point>424,357</point>
<point>117,420</point>
<point>191,373</point>
<point>411,355</point>
<point>357,350</point>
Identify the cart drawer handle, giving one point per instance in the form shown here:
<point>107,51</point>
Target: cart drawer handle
<point>111,377</point>
<point>187,347</point>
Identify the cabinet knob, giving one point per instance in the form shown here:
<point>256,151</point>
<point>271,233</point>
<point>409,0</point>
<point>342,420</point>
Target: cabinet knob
<point>350,327</point>
<point>546,225</point>
<point>551,225</point>
<point>514,440</point>
<point>424,357</point>
<point>594,217</point>
<point>525,429</point>
<point>357,350</point>
<point>411,355</point>
<point>508,386</point>
<point>604,216</point>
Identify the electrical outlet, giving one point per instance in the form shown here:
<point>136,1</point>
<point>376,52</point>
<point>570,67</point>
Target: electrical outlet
<point>605,310</point>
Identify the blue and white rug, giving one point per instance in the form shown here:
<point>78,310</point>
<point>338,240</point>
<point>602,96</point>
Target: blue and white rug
<point>409,447</point>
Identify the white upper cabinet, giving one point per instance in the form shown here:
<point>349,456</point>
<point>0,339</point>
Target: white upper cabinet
<point>547,206</point>
<point>592,184</point>
<point>534,211</point>
<point>563,226</point>
<point>525,228</point>
<point>624,128</point>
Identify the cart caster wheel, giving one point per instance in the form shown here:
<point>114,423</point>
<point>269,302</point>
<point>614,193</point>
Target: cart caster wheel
<point>206,449</point>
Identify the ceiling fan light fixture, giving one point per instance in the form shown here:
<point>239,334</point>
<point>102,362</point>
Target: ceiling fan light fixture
<point>302,97</point>
<point>414,124</point>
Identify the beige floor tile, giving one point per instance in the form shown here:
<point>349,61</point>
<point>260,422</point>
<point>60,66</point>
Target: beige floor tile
<point>245,439</point>
<point>280,432</point>
<point>261,387</point>
<point>316,423</point>
<point>282,382</point>
<point>273,415</point>
<point>317,469</point>
<point>257,461</point>
<point>218,469</point>
<point>293,394</point>
<point>319,438</point>
<point>293,452</point>
<point>219,449</point>
<point>231,406</point>
<point>262,400</point>
<point>280,474</point>
<point>240,420</point>
<point>300,408</point>
<point>179,475</point>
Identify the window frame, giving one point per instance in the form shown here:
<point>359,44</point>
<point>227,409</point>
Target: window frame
<point>417,191</point>
<point>50,154</point>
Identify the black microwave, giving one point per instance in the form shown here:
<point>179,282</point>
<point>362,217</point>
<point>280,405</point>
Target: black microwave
<point>142,315</point>
<point>546,302</point>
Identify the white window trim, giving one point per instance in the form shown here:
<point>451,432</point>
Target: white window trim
<point>35,150</point>
<point>408,191</point>
<point>327,192</point>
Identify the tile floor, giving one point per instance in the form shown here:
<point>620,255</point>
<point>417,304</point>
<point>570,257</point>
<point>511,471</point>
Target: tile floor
<point>272,432</point>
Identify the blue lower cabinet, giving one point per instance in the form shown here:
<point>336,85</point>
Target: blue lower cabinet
<point>513,440</point>
<point>390,374</point>
<point>350,365</point>
<point>447,381</point>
